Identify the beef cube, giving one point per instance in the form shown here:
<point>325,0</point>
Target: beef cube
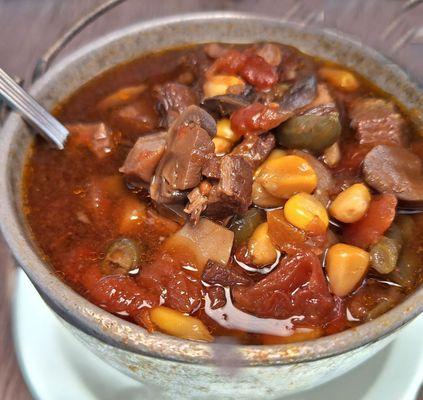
<point>136,118</point>
<point>376,121</point>
<point>225,275</point>
<point>232,194</point>
<point>255,149</point>
<point>211,167</point>
<point>97,137</point>
<point>186,156</point>
<point>173,99</point>
<point>142,160</point>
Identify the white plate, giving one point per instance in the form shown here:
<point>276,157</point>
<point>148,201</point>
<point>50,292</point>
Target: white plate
<point>58,367</point>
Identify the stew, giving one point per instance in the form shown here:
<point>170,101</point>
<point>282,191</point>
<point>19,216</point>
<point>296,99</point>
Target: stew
<point>249,191</point>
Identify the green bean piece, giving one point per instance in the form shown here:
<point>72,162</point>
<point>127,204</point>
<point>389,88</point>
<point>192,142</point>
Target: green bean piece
<point>384,255</point>
<point>122,256</point>
<point>311,131</point>
<point>243,226</point>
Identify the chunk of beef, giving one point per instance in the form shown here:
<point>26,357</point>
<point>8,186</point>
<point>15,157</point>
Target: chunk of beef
<point>271,53</point>
<point>255,149</point>
<point>187,156</point>
<point>136,118</point>
<point>211,167</point>
<point>188,144</point>
<point>97,137</point>
<point>173,99</point>
<point>142,160</point>
<point>392,169</point>
<point>232,194</point>
<point>217,274</point>
<point>377,121</point>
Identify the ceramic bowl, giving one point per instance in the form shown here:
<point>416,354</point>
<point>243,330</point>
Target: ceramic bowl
<point>184,369</point>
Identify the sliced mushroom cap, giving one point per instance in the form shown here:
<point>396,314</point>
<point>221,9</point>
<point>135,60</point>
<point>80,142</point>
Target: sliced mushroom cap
<point>174,160</point>
<point>392,169</point>
<point>300,94</point>
<point>224,105</point>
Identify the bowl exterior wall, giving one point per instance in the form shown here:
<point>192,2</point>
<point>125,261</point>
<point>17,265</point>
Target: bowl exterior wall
<point>181,381</point>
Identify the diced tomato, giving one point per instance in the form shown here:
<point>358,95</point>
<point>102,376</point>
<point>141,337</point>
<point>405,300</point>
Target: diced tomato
<point>297,287</point>
<point>250,66</point>
<point>258,72</point>
<point>120,294</point>
<point>374,224</point>
<point>290,239</point>
<point>230,62</point>
<point>179,288</point>
<point>256,118</point>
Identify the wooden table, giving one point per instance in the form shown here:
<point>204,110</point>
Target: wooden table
<point>28,27</point>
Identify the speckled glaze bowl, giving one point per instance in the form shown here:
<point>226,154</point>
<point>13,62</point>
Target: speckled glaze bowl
<point>184,369</point>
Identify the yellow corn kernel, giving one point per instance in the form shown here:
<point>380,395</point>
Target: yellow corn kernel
<point>299,335</point>
<point>285,176</point>
<point>225,131</point>
<point>351,204</point>
<point>180,325</point>
<point>222,146</point>
<point>345,267</point>
<point>340,78</point>
<point>274,154</point>
<point>261,247</point>
<point>302,209</point>
<point>219,84</point>
<point>332,155</point>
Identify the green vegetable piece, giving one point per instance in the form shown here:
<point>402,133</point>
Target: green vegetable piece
<point>243,226</point>
<point>122,256</point>
<point>310,131</point>
<point>384,255</point>
<point>407,268</point>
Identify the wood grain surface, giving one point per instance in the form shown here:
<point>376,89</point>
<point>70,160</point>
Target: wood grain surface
<point>28,27</point>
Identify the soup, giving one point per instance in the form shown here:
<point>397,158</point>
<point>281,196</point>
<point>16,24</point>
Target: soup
<point>249,191</point>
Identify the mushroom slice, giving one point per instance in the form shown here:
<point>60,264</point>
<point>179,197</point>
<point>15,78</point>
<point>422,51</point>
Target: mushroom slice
<point>224,105</point>
<point>393,169</point>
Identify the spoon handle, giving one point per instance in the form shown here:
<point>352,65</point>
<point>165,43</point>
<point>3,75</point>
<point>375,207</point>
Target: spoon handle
<point>18,99</point>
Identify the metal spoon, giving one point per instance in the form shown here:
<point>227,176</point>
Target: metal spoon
<point>18,99</point>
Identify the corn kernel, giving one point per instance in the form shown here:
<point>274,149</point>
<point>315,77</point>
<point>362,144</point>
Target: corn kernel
<point>351,204</point>
<point>345,267</point>
<point>300,210</point>
<point>219,84</point>
<point>180,325</point>
<point>260,246</point>
<point>299,335</point>
<point>222,146</point>
<point>225,131</point>
<point>274,154</point>
<point>340,78</point>
<point>285,176</point>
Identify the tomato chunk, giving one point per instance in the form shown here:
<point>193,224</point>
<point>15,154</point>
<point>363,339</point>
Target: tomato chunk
<point>296,288</point>
<point>257,118</point>
<point>374,224</point>
<point>120,294</point>
<point>250,66</point>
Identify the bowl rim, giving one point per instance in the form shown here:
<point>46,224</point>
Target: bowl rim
<point>125,335</point>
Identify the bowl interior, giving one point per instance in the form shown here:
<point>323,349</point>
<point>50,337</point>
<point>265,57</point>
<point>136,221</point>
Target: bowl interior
<point>129,43</point>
